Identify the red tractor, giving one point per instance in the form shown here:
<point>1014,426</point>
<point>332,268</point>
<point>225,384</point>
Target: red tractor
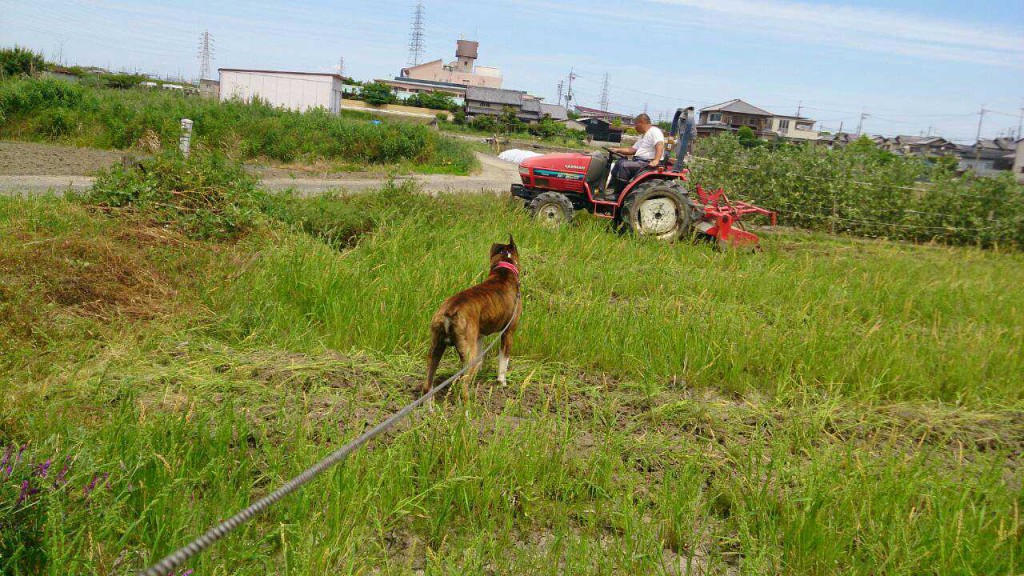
<point>655,203</point>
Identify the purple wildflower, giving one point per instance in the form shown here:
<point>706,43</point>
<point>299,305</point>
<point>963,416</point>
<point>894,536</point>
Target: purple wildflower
<point>26,492</point>
<point>43,469</point>
<point>11,463</point>
<point>60,481</point>
<point>7,458</point>
<point>90,486</point>
<point>187,573</point>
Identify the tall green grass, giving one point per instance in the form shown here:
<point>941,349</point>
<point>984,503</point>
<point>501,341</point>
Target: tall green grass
<point>865,319</point>
<point>62,112</point>
<point>272,349</point>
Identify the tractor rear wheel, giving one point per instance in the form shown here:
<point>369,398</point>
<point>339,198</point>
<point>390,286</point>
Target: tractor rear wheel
<point>659,208</point>
<point>552,209</point>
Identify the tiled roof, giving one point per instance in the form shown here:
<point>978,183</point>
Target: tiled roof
<point>737,106</point>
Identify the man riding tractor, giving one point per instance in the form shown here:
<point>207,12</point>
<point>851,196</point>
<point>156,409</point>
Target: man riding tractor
<point>647,194</point>
<point>647,153</point>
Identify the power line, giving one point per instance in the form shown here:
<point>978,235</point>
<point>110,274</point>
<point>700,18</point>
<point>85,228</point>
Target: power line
<point>416,45</point>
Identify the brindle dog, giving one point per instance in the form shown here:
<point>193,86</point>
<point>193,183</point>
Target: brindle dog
<point>464,319</point>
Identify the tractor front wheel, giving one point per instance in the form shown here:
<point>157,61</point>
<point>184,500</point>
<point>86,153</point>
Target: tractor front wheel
<point>552,209</point>
<point>658,208</point>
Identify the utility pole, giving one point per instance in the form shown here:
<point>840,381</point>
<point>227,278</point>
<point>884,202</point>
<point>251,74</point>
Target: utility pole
<point>341,66</point>
<point>569,95</point>
<point>1020,122</point>
<point>205,54</point>
<point>561,86</point>
<point>929,131</point>
<point>416,45</point>
<point>645,107</point>
<point>860,125</point>
<point>977,138</point>
<point>604,93</point>
<point>799,108</point>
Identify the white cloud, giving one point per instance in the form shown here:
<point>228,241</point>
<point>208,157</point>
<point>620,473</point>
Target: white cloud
<point>874,30</point>
<point>849,27</point>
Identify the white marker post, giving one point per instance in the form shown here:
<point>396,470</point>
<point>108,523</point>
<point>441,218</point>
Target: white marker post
<point>186,136</point>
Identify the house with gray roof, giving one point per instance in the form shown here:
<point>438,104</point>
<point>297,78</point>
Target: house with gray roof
<point>732,115</point>
<point>494,101</point>
<point>989,157</point>
<point>919,146</point>
<point>554,111</point>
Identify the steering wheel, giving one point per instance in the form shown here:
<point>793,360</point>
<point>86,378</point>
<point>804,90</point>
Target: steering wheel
<point>612,153</point>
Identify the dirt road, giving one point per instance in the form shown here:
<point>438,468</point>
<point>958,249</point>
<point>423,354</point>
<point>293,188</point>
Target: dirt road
<point>31,168</point>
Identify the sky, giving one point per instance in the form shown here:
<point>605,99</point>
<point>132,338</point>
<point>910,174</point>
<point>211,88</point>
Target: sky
<point>911,66</point>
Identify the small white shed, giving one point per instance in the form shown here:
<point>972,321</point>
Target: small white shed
<point>299,91</point>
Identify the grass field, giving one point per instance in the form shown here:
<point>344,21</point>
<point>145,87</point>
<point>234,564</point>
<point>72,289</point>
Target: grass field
<point>828,406</point>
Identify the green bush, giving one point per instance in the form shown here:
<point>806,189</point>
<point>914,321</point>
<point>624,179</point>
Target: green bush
<point>206,196</point>
<point>432,100</point>
<point>20,61</point>
<point>377,94</point>
<point>31,96</point>
<point>55,122</point>
<point>122,81</point>
<point>484,123</point>
<point>747,138</point>
<point>865,191</point>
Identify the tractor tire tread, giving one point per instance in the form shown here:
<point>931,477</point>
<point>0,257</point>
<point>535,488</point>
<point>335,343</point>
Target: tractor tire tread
<point>683,201</point>
<point>557,198</point>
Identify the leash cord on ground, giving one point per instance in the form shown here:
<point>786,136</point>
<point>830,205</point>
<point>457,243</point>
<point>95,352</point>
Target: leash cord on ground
<point>181,555</point>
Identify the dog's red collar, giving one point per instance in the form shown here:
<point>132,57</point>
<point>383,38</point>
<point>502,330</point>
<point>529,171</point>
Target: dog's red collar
<point>508,266</point>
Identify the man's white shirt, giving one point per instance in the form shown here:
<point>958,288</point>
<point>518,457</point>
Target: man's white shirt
<point>646,147</point>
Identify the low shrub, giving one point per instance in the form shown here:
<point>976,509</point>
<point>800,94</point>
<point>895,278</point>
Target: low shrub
<point>206,196</point>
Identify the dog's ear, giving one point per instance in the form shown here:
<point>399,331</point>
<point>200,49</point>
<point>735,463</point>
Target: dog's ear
<point>511,242</point>
<point>496,249</point>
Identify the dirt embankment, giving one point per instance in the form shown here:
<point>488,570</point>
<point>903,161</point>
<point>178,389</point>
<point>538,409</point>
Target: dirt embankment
<point>32,158</point>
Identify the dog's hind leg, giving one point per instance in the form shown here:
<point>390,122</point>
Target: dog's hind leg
<point>438,345</point>
<point>468,347</point>
<point>504,352</point>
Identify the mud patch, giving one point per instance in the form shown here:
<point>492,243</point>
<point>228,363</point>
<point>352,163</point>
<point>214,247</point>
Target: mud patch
<point>35,159</point>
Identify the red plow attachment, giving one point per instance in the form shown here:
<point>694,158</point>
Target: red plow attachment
<point>721,218</point>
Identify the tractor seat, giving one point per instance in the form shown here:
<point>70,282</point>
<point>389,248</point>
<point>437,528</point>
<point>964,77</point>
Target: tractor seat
<point>597,171</point>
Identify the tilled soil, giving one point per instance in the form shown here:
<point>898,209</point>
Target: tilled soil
<point>32,158</point>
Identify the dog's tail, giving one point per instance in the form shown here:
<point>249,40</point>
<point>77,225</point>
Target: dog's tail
<point>446,320</point>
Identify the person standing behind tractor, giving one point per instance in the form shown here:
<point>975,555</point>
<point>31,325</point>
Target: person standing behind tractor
<point>683,124</point>
<point>647,153</point>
